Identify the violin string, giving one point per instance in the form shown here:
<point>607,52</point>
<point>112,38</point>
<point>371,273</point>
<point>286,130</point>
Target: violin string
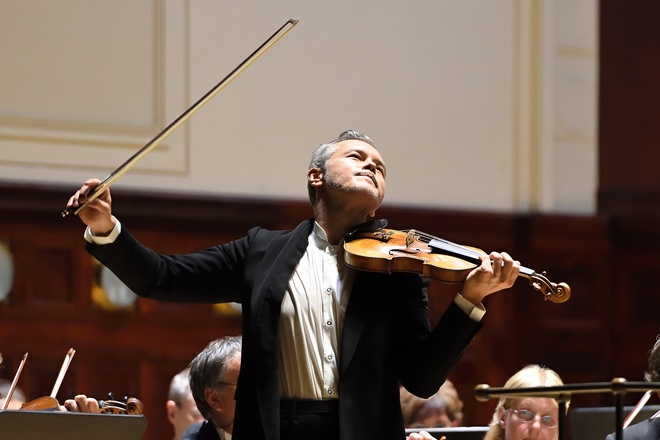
<point>450,246</point>
<point>464,251</point>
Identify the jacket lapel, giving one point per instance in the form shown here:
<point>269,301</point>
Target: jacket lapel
<point>277,267</point>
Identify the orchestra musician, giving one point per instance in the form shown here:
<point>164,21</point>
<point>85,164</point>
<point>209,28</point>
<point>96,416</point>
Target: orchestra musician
<point>648,429</point>
<point>527,418</point>
<point>324,345</point>
<point>181,409</point>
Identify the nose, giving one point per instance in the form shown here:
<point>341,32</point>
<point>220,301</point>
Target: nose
<point>370,165</point>
<point>536,426</point>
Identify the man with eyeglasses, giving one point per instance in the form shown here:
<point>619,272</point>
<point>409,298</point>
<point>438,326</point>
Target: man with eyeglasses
<point>213,375</point>
<point>528,418</point>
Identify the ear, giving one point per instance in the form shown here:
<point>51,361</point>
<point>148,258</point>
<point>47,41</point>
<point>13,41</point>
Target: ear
<point>170,406</point>
<point>315,176</point>
<point>213,398</point>
<point>502,417</point>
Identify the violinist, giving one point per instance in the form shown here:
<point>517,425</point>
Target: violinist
<point>324,345</point>
<point>527,418</point>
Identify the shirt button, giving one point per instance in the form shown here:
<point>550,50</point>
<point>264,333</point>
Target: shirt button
<point>329,322</point>
<point>330,392</point>
<point>329,357</point>
<point>328,290</point>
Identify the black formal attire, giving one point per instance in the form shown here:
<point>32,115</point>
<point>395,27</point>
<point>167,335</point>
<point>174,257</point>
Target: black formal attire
<point>201,431</point>
<point>386,336</point>
<point>648,429</point>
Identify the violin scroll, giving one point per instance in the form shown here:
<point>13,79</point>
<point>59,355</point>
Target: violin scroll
<point>556,293</point>
<point>129,405</point>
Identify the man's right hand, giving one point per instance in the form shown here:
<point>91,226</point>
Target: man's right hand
<point>98,213</point>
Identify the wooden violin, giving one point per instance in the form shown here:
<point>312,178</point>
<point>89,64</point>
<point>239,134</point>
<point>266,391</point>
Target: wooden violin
<point>129,405</point>
<point>371,247</point>
<point>50,403</point>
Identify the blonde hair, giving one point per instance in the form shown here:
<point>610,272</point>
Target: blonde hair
<point>446,399</point>
<point>529,376</point>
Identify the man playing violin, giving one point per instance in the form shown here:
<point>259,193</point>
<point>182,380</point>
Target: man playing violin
<point>325,346</point>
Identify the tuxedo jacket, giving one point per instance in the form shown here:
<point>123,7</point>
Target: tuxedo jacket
<point>201,431</point>
<point>386,338</point>
<point>648,429</point>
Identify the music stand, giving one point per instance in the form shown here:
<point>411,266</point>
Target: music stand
<point>454,433</point>
<point>618,387</point>
<point>61,425</point>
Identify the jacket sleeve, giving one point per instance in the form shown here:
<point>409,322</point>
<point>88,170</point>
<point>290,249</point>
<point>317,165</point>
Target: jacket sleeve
<point>209,276</point>
<point>427,354</point>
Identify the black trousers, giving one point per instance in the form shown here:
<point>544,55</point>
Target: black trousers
<point>309,419</point>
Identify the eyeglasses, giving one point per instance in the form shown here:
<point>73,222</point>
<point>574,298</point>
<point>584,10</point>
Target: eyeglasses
<point>527,416</point>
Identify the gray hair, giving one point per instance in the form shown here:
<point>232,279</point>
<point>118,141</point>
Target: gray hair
<point>208,369</point>
<point>323,152</point>
<point>179,387</point>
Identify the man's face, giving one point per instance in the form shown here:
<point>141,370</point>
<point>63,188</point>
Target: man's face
<point>357,168</point>
<point>226,401</point>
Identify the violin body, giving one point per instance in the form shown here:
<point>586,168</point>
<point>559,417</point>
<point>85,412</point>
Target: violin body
<point>389,250</point>
<point>44,403</point>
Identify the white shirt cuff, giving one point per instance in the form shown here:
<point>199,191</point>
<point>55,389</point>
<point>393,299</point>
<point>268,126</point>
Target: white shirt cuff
<point>110,238</point>
<point>474,312</point>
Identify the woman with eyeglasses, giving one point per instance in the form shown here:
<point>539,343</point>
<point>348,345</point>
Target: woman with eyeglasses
<point>529,418</point>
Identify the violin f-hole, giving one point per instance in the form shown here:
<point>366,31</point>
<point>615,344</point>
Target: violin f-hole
<point>406,251</point>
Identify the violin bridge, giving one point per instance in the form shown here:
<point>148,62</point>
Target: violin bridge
<point>410,237</point>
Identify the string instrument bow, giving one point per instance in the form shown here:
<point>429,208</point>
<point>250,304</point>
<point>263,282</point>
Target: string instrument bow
<point>153,143</point>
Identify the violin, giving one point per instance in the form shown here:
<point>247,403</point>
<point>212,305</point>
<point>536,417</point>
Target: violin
<point>372,247</point>
<point>128,405</point>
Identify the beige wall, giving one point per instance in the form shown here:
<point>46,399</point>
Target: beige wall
<point>475,104</point>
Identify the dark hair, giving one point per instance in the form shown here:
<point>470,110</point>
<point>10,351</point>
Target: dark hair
<point>209,368</point>
<point>652,373</point>
<point>323,152</point>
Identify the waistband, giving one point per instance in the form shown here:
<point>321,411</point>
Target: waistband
<point>309,406</point>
